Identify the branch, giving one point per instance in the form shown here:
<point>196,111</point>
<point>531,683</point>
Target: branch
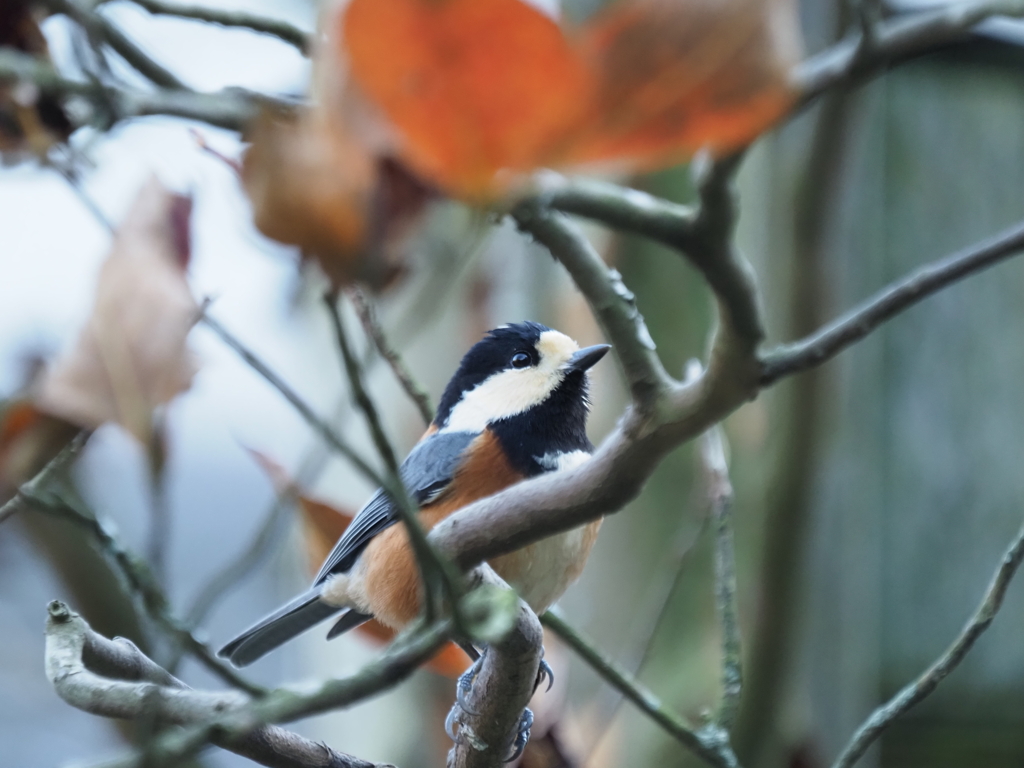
<point>57,466</point>
<point>102,29</point>
<point>710,741</point>
<point>321,427</point>
<point>887,303</point>
<point>857,57</point>
<point>439,578</point>
<point>716,474</point>
<point>372,327</point>
<point>613,303</point>
<point>621,208</point>
<point>137,577</point>
<point>502,687</point>
<point>231,109</point>
<point>929,680</point>
<point>273,27</point>
<point>115,679</point>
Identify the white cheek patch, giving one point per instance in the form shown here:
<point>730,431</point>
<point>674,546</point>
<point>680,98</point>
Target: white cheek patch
<point>556,462</point>
<point>513,391</point>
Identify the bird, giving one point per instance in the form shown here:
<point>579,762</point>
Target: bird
<point>516,407</point>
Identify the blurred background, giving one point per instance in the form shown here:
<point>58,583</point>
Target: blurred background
<point>874,497</point>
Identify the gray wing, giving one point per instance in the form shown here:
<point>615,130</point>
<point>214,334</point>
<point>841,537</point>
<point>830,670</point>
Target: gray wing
<point>426,472</point>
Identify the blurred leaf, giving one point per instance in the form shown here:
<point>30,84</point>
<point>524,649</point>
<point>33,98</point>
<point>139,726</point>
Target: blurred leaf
<point>674,76</point>
<point>29,123</point>
<point>323,525</point>
<point>29,439</point>
<point>131,355</point>
<point>475,87</point>
<point>482,91</point>
<point>313,183</point>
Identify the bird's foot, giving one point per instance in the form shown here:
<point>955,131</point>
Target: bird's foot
<point>544,672</point>
<point>522,735</point>
<point>459,731</point>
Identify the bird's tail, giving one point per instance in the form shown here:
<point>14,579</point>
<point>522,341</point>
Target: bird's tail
<point>282,625</point>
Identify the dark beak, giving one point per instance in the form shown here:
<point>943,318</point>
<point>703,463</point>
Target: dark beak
<point>587,357</point>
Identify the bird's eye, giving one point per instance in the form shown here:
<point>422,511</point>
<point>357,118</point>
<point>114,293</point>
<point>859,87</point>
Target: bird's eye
<point>520,360</point>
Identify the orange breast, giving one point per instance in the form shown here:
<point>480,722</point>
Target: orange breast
<point>391,574</point>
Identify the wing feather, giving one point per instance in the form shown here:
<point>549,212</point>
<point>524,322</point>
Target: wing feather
<point>426,472</point>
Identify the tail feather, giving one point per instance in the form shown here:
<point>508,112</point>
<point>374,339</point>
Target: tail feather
<point>282,625</point>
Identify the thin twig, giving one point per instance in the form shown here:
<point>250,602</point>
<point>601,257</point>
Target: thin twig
<point>373,329</point>
<point>273,27</point>
<point>613,303</point>
<point>675,569</point>
<point>24,497</point>
<point>827,342</point>
<point>98,26</point>
<point>709,741</point>
<point>319,425</point>
<point>232,109</point>
<point>232,574</point>
<point>438,575</point>
<point>894,40</point>
<point>716,475</point>
<point>929,680</point>
<point>64,502</point>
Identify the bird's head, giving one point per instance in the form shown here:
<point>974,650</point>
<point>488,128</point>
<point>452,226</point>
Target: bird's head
<point>516,370</point>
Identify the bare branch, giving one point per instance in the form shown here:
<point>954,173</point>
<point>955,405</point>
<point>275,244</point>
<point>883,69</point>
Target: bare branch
<point>716,476</point>
<point>113,678</point>
<point>613,303</point>
<point>102,29</point>
<point>709,741</point>
<point>321,427</point>
<point>224,18</point>
<point>373,330</point>
<point>887,303</point>
<point>438,575</point>
<point>894,40</point>
<point>64,502</point>
<point>929,680</point>
<point>231,109</point>
<point>619,207</point>
<point>504,682</point>
<point>22,499</point>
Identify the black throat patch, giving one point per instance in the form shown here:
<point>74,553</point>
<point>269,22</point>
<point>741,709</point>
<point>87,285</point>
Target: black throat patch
<point>557,425</point>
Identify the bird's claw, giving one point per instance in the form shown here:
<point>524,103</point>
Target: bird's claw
<point>522,736</point>
<point>544,672</point>
<point>461,707</point>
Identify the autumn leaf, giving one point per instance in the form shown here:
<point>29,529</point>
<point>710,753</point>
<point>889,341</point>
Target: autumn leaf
<point>675,76</point>
<point>323,525</point>
<point>131,356</point>
<point>30,123</point>
<point>29,439</point>
<point>324,179</point>
<point>474,87</point>
<point>483,91</point>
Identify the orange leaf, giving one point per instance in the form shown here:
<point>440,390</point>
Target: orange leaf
<point>29,438</point>
<point>131,356</point>
<point>674,76</point>
<point>30,122</point>
<point>474,87</point>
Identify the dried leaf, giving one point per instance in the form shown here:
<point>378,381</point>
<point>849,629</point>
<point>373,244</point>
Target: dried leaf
<point>29,123</point>
<point>675,76</point>
<point>29,439</point>
<point>474,87</point>
<point>131,355</point>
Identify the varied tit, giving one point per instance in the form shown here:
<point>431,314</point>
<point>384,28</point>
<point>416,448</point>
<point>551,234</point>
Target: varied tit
<point>516,407</point>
